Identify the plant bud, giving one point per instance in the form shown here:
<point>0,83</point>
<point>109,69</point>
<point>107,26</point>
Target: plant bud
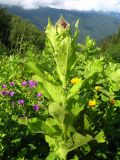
<point>97,88</point>
<point>63,23</point>
<point>112,101</point>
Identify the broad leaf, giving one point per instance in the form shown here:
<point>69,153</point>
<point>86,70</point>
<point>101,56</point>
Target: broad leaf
<point>77,140</point>
<point>38,126</point>
<point>57,111</point>
<point>100,137</point>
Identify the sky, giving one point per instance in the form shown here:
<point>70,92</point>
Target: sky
<point>81,5</point>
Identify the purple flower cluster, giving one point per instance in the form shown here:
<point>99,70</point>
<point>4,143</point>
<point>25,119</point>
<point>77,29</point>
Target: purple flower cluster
<point>9,93</point>
<point>21,101</point>
<point>36,108</point>
<point>11,84</point>
<point>24,83</point>
<point>4,86</point>
<point>30,83</point>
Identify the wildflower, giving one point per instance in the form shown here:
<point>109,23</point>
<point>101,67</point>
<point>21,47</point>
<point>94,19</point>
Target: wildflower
<point>11,84</point>
<point>36,107</point>
<point>11,93</point>
<point>24,83</point>
<point>75,80</point>
<point>97,88</point>
<point>92,103</point>
<point>112,101</point>
<point>39,94</point>
<point>32,83</point>
<point>21,101</point>
<point>4,86</point>
<point>35,83</point>
<point>63,23</point>
<point>4,93</point>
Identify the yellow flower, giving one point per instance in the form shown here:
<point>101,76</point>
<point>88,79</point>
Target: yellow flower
<point>92,103</point>
<point>97,88</point>
<point>75,80</point>
<point>112,101</point>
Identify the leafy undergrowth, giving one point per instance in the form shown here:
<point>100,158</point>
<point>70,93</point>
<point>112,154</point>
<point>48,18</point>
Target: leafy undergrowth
<point>62,103</point>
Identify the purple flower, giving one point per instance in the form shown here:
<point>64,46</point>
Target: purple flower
<point>4,93</point>
<point>11,93</point>
<point>24,83</point>
<point>35,83</point>
<point>11,84</point>
<point>39,94</point>
<point>21,101</point>
<point>4,86</point>
<point>32,83</point>
<point>36,108</point>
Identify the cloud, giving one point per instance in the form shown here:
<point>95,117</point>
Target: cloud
<point>82,5</point>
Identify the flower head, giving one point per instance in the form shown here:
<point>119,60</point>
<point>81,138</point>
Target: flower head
<point>11,84</point>
<point>39,94</point>
<point>4,93</point>
<point>63,23</point>
<point>32,83</point>
<point>92,103</point>
<point>11,93</point>
<point>112,101</point>
<point>4,86</point>
<point>21,101</point>
<point>97,88</point>
<point>36,107</point>
<point>75,80</point>
<point>24,83</point>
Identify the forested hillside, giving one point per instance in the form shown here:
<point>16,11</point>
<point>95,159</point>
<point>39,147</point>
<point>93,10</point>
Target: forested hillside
<point>95,24</point>
<point>111,46</point>
<point>16,34</point>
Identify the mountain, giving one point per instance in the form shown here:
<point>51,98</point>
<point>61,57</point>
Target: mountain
<point>113,14</point>
<point>96,24</point>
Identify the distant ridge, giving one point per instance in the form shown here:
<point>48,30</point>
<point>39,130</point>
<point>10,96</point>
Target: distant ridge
<point>96,24</point>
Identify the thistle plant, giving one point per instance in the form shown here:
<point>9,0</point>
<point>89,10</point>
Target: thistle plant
<point>63,106</point>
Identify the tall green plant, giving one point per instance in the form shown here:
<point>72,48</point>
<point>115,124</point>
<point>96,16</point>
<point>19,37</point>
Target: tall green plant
<point>64,108</point>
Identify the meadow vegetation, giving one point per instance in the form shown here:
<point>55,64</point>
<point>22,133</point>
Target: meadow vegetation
<point>59,99</point>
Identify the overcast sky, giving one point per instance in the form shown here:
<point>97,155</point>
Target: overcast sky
<point>82,5</point>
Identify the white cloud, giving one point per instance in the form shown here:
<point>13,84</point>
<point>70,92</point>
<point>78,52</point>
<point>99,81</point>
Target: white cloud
<point>82,5</point>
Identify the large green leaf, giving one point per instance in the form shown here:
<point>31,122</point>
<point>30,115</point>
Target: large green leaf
<point>43,74</point>
<point>76,141</point>
<point>55,91</point>
<point>51,156</point>
<point>76,109</point>
<point>92,67</point>
<point>37,126</point>
<point>100,137</point>
<point>75,89</point>
<point>57,111</point>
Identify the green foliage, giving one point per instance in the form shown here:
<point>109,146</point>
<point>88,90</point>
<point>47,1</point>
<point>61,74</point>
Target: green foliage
<point>76,113</point>
<point>15,33</point>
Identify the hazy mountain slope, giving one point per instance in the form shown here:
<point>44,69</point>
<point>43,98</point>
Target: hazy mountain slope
<point>95,24</point>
